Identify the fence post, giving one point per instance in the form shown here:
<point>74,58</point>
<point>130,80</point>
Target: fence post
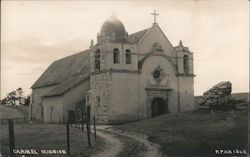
<point>68,140</point>
<point>71,118</point>
<point>11,136</point>
<point>94,129</point>
<point>89,118</point>
<point>82,122</point>
<point>88,132</point>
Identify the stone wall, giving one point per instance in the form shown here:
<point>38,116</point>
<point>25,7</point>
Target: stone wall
<point>100,87</point>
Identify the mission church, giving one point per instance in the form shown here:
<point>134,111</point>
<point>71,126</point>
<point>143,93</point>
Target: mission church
<point>123,77</point>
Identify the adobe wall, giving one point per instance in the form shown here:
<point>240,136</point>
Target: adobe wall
<point>53,109</point>
<point>74,96</point>
<point>35,110</point>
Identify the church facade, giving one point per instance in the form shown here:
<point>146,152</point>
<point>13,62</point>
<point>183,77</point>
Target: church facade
<point>122,78</point>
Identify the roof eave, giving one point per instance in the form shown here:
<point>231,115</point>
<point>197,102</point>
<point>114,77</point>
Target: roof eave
<point>63,92</point>
<point>35,87</point>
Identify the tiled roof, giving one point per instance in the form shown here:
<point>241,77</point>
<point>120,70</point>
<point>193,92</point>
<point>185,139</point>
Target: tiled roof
<point>67,85</point>
<point>136,37</point>
<point>62,69</point>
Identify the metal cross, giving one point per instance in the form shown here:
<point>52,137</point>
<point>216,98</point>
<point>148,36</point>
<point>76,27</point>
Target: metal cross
<point>155,14</point>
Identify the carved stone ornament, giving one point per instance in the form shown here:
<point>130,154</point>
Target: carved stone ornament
<point>157,47</point>
<point>158,74</point>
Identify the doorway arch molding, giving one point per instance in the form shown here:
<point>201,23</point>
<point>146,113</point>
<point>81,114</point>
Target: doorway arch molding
<point>152,93</point>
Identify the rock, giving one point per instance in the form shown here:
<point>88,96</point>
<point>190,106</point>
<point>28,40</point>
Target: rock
<point>218,97</point>
<point>242,106</point>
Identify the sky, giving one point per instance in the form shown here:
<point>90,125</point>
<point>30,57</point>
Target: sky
<point>35,33</point>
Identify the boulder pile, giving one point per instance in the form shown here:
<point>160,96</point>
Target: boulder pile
<point>218,97</point>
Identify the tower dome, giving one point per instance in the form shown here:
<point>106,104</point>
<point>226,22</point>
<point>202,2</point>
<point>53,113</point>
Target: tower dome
<point>112,30</point>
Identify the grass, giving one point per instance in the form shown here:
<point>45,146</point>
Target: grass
<point>191,134</point>
<point>131,147</point>
<point>49,136</point>
<point>7,112</point>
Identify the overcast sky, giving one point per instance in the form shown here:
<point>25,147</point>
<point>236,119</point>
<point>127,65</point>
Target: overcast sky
<point>35,33</point>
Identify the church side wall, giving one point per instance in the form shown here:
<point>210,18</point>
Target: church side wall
<point>36,107</point>
<point>186,82</point>
<point>53,109</point>
<point>74,96</point>
<point>186,93</point>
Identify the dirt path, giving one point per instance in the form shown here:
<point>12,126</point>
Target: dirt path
<point>113,145</point>
<point>116,146</point>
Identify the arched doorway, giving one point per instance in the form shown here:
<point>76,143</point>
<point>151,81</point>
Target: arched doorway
<point>159,107</point>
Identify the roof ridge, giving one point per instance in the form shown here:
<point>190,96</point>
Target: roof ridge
<point>139,31</point>
<point>137,36</point>
<point>64,68</point>
<point>77,53</point>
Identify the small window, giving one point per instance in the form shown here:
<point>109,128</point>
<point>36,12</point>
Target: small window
<point>116,56</point>
<point>98,101</point>
<point>97,59</point>
<point>157,73</point>
<point>128,56</point>
<point>185,64</point>
<point>87,99</point>
<point>32,98</point>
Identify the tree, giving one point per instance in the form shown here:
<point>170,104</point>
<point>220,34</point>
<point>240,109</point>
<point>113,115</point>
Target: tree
<point>27,101</point>
<point>11,98</point>
<point>16,97</point>
<point>3,101</point>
